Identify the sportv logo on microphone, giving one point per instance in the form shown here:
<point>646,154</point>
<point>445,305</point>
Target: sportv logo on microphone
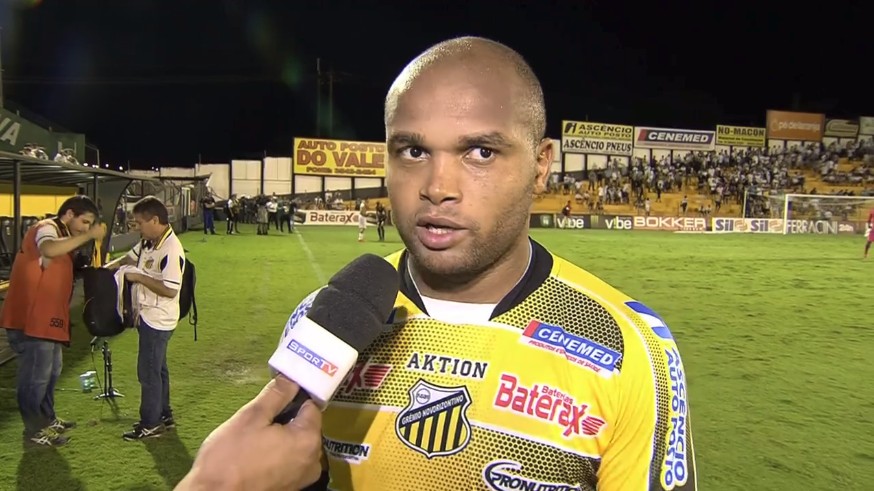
<point>312,358</point>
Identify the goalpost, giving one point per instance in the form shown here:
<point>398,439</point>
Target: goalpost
<point>817,213</point>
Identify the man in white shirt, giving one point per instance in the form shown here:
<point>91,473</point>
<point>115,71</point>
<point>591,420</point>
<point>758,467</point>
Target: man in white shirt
<point>155,298</point>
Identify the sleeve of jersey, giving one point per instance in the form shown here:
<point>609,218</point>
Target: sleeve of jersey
<point>651,448</point>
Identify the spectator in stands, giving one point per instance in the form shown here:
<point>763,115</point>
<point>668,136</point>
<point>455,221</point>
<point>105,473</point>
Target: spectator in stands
<point>566,211</point>
<point>43,273</point>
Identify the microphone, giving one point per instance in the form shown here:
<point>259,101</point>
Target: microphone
<point>345,318</point>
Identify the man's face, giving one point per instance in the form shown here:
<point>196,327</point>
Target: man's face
<point>149,227</point>
<point>79,225</point>
<point>461,170</point>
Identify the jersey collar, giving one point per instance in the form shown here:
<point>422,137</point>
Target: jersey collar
<point>539,268</point>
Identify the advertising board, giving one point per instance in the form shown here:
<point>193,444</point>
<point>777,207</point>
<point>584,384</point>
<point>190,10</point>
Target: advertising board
<point>740,136</point>
<point>786,125</point>
<point>674,139</point>
<point>842,128</point>
<point>597,138</point>
<point>338,158</point>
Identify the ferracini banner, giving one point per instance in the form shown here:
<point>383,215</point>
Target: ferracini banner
<point>339,158</point>
<point>674,139</point>
<point>596,138</point>
<point>740,136</point>
<point>785,125</point>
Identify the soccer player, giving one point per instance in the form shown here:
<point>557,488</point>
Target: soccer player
<point>36,313</point>
<point>869,232</point>
<point>381,217</point>
<point>506,366</point>
<point>362,221</point>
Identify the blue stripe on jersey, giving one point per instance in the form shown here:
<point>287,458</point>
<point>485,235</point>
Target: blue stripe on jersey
<point>652,319</point>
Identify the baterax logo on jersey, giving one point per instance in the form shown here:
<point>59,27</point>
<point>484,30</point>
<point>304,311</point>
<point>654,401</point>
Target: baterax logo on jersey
<point>312,357</point>
<point>547,404</point>
<point>577,349</point>
<point>506,475</point>
<point>675,465</point>
<point>435,423</point>
<point>353,453</point>
<point>447,365</point>
<point>652,319</point>
<point>365,376</point>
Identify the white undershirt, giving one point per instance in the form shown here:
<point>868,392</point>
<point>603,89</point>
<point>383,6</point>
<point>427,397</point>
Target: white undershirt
<point>458,312</point>
<point>462,312</point>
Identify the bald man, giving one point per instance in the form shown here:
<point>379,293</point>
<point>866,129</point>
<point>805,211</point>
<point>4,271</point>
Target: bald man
<point>507,366</point>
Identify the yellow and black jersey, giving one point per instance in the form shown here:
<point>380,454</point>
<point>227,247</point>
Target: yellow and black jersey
<point>569,385</point>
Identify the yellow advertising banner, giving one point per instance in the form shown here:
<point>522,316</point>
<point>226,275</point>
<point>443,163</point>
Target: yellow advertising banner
<point>338,158</point>
<point>597,131</point>
<point>740,136</point>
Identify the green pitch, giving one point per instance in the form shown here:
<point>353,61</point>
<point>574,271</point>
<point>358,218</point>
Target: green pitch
<point>775,333</point>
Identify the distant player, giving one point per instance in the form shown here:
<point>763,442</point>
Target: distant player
<point>362,221</point>
<point>869,231</point>
<point>381,216</point>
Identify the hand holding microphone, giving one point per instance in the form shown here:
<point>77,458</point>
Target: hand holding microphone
<point>274,442</point>
<point>249,451</point>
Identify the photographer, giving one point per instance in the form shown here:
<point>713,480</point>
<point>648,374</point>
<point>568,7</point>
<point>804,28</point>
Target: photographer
<point>155,296</point>
<point>36,312</point>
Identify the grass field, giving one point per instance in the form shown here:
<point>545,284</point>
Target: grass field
<point>775,332</point>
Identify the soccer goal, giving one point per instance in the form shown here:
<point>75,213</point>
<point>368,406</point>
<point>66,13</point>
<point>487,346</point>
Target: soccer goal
<point>820,214</point>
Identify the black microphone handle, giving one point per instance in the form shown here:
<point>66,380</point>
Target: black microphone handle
<point>290,411</point>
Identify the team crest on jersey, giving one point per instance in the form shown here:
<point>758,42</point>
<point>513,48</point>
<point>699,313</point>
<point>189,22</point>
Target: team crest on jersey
<point>149,263</point>
<point>435,423</point>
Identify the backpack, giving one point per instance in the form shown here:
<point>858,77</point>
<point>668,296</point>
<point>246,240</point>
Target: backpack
<point>100,311</point>
<point>187,301</point>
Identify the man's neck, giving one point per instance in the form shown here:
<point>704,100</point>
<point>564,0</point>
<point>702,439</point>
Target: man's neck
<point>489,286</point>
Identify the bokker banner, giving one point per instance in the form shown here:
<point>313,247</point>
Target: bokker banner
<point>596,138</point>
<point>338,158</point>
<point>786,125</point>
<point>674,139</point>
<point>842,128</point>
<point>740,136</point>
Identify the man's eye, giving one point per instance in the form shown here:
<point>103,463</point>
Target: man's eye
<point>480,153</point>
<point>412,153</point>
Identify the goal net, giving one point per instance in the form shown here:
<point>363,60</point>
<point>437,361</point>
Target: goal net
<point>817,214</point>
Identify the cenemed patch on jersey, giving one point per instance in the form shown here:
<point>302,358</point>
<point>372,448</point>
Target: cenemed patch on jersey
<point>577,349</point>
<point>652,319</point>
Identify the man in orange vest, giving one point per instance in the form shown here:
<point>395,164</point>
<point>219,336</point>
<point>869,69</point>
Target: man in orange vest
<point>36,312</point>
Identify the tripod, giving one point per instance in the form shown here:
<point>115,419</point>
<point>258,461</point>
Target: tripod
<point>109,391</point>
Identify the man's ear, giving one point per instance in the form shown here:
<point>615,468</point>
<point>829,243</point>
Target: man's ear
<point>545,153</point>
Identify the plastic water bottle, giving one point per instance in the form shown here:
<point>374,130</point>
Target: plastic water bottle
<point>88,381</point>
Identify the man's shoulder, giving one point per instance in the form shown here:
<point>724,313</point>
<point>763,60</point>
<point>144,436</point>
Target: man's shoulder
<point>629,314</point>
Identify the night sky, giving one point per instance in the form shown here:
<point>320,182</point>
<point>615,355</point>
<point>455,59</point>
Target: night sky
<point>168,82</point>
